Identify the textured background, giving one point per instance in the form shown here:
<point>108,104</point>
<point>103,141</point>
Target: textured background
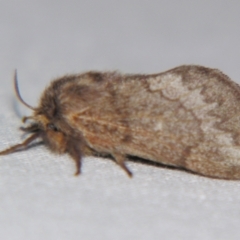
<point>39,197</point>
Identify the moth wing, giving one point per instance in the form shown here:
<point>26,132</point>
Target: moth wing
<point>185,117</point>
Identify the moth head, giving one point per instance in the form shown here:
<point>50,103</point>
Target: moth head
<point>47,131</point>
<point>39,126</point>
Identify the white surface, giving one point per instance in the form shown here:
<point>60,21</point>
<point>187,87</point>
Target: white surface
<point>39,197</point>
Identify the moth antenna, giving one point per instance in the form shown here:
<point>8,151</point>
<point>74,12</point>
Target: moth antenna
<point>18,93</point>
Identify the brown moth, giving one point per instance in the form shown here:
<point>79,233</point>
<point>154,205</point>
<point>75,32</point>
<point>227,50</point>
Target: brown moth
<point>186,117</point>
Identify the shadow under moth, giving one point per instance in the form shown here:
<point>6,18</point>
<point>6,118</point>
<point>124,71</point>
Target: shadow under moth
<point>186,117</point>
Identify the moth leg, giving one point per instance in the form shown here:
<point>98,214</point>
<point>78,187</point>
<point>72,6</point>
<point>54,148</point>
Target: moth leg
<point>31,128</point>
<point>78,166</point>
<point>76,154</point>
<point>120,160</point>
<point>24,119</point>
<point>22,145</point>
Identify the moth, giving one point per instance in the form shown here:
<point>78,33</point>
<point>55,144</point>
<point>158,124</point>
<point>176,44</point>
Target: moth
<point>186,117</point>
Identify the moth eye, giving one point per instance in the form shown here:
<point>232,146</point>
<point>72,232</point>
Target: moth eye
<point>52,127</point>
